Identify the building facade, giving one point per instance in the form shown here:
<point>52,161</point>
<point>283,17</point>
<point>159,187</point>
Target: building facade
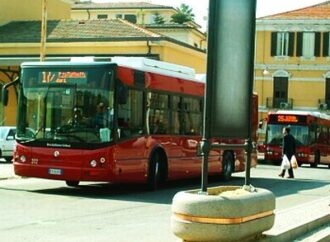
<point>292,69</point>
<point>66,37</point>
<point>143,14</point>
<point>292,58</point>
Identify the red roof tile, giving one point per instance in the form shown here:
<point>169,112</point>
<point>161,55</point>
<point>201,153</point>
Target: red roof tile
<point>318,11</point>
<point>69,30</point>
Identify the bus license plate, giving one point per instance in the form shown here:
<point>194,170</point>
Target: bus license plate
<point>53,171</point>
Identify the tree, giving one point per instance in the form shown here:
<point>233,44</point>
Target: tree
<point>184,14</point>
<point>158,19</point>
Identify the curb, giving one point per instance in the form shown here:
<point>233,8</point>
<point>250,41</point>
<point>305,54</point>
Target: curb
<point>7,171</point>
<point>298,221</point>
<point>9,177</point>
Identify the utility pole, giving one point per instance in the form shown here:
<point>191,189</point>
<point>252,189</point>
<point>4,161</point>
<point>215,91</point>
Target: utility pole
<point>43,30</point>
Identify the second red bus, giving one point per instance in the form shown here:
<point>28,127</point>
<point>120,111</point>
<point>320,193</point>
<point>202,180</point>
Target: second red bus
<point>311,131</point>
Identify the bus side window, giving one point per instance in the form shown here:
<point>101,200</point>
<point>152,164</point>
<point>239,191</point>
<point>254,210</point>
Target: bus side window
<point>192,116</point>
<point>130,115</point>
<point>158,114</point>
<point>322,135</point>
<point>313,133</point>
<point>176,114</point>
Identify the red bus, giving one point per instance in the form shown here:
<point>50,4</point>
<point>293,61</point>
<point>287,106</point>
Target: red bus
<point>311,131</point>
<point>131,120</point>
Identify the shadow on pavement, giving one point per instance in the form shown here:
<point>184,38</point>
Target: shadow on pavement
<point>138,193</point>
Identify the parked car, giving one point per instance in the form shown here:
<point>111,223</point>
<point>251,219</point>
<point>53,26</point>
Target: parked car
<point>7,142</point>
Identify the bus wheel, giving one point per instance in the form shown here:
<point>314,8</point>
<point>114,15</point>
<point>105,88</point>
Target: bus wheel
<point>227,166</point>
<point>154,173</point>
<point>8,159</point>
<point>316,160</point>
<point>72,183</point>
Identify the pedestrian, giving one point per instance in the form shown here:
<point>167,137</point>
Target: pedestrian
<point>288,149</point>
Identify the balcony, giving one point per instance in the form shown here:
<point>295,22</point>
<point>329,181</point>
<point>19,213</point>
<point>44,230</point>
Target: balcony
<point>324,104</point>
<point>279,103</point>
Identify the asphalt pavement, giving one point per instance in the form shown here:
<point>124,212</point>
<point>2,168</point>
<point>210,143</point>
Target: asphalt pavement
<point>304,222</point>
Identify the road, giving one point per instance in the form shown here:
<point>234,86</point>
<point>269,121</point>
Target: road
<point>42,210</point>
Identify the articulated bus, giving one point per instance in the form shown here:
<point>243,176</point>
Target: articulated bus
<point>311,131</point>
<point>129,120</point>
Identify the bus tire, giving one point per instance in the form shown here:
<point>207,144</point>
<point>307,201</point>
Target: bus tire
<point>227,165</point>
<point>8,159</point>
<point>316,159</point>
<point>72,183</point>
<point>156,171</point>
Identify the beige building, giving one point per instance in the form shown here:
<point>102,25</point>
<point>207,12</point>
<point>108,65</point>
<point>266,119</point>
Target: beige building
<point>135,12</point>
<point>292,69</point>
<point>144,14</point>
<point>20,41</point>
<point>14,10</point>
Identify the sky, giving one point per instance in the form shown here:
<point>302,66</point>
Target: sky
<point>200,7</point>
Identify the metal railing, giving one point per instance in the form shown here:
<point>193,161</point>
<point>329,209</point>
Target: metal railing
<point>324,104</point>
<point>279,103</point>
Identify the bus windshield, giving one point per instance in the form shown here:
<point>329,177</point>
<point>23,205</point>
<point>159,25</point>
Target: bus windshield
<point>66,104</point>
<point>274,134</point>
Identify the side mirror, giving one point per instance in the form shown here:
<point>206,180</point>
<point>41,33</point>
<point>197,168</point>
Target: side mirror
<point>10,137</point>
<point>4,96</point>
<point>5,90</point>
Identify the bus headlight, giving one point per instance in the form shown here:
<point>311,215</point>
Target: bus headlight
<point>22,158</point>
<point>93,163</point>
<point>102,160</point>
<point>302,155</point>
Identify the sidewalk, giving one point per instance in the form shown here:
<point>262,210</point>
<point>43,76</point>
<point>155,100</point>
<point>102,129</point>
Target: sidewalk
<point>6,170</point>
<point>301,223</point>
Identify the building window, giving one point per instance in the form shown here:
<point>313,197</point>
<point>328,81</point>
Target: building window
<point>308,44</point>
<point>282,44</point>
<point>102,16</point>
<point>327,92</point>
<point>282,47</point>
<point>280,95</point>
<point>326,44</point>
<point>130,18</point>
<point>119,16</point>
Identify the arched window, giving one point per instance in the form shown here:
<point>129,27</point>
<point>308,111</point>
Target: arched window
<point>327,89</point>
<point>280,89</point>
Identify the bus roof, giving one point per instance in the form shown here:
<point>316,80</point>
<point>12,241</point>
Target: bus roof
<point>158,67</point>
<point>138,63</point>
<point>299,112</point>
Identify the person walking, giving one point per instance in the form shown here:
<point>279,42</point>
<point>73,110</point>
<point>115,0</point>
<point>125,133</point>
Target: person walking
<point>288,149</point>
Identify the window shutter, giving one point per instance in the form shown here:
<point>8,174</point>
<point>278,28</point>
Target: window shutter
<point>291,44</point>
<point>273,44</point>
<point>299,43</point>
<point>317,49</point>
<point>326,44</point>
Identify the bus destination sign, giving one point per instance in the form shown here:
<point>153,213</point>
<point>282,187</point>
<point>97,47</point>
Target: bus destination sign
<point>70,77</point>
<point>287,118</point>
